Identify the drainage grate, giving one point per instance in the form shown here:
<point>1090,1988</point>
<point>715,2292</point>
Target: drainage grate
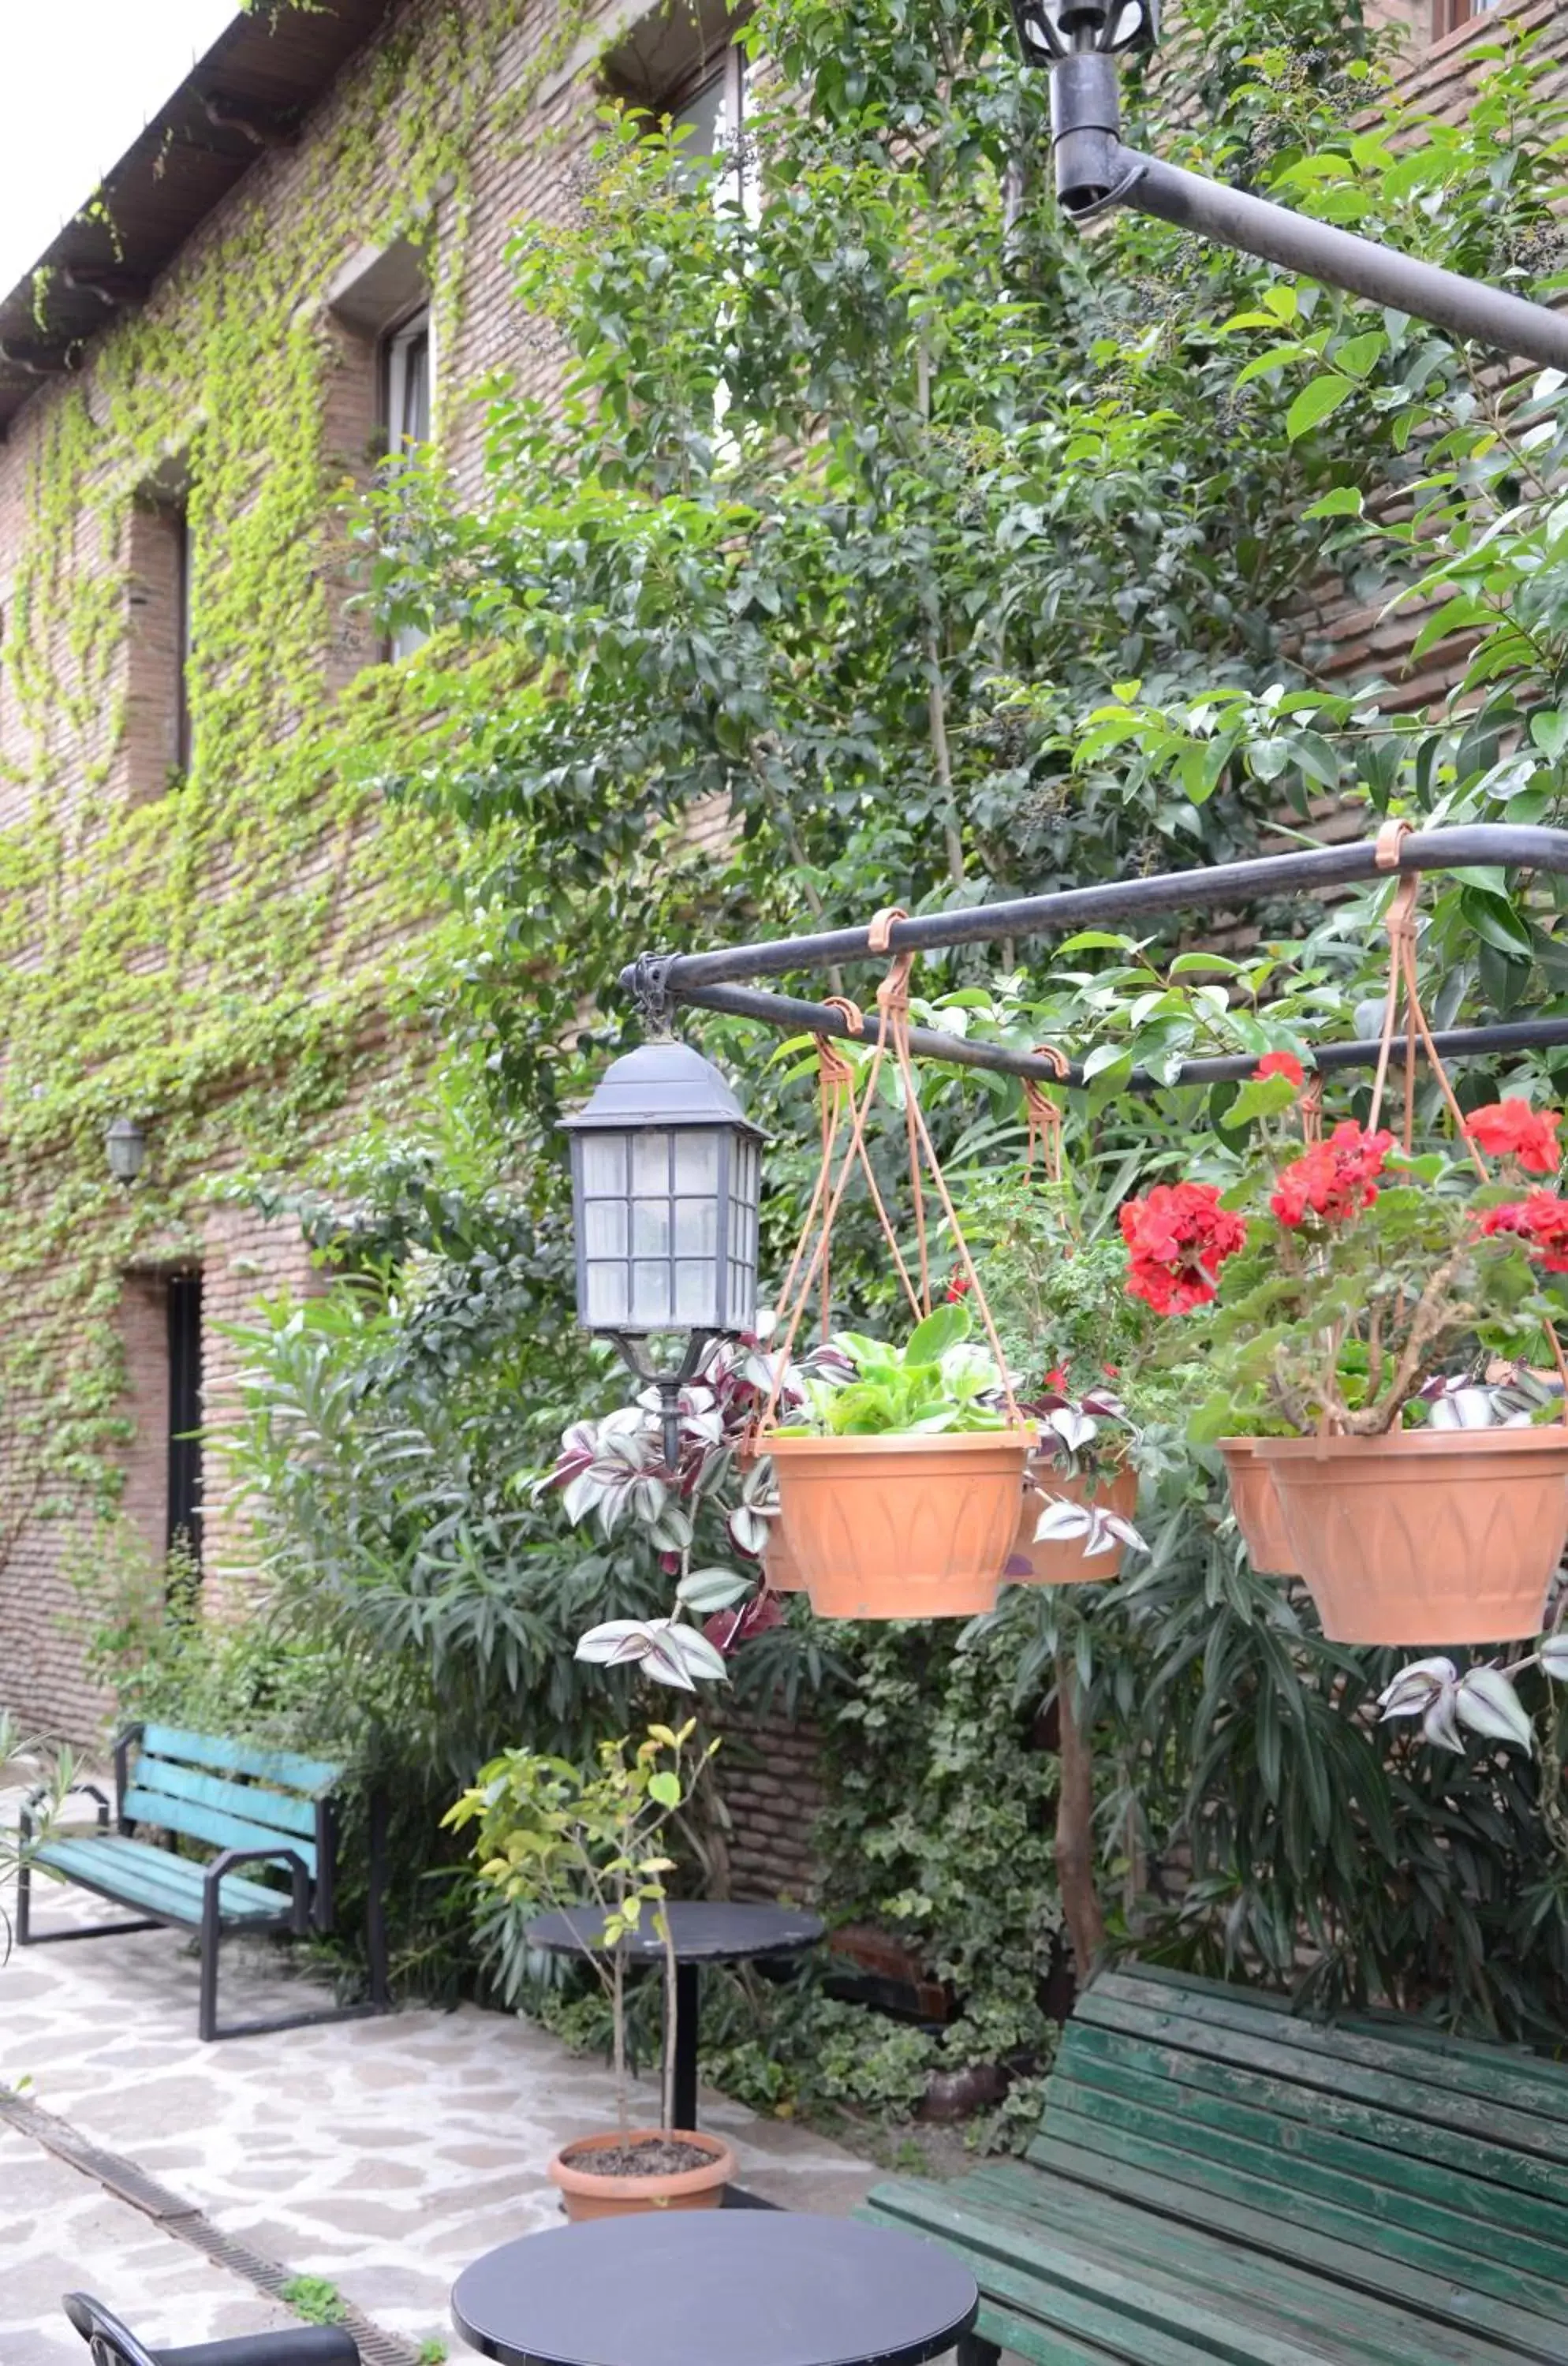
<point>185,2219</point>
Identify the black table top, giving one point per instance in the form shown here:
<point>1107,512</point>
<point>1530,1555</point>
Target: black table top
<point>715,2288</point>
<point>703,1931</point>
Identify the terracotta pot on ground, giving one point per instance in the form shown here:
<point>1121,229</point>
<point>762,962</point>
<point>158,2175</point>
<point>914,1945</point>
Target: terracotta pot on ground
<point>1425,1536</point>
<point>901,1527</point>
<point>588,2196</point>
<point>1254,1499</point>
<point>1062,1560</point>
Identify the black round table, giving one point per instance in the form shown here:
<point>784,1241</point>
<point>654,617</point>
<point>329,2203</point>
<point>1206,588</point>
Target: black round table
<point>715,2288</point>
<point>703,1932</point>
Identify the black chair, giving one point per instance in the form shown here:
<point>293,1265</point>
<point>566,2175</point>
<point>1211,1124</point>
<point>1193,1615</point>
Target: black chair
<point>112,2344</point>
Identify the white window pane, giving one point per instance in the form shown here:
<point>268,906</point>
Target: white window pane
<point>696,1227</point>
<point>604,1228</point>
<point>651,1163</point>
<point>650,1294</point>
<point>606,1287</point>
<point>705,118</point>
<point>605,1162</point>
<point>696,1162</point>
<point>694,1292</point>
<point>651,1228</point>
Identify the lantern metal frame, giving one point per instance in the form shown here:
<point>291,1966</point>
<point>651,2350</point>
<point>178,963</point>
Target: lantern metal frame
<point>124,1146</point>
<point>665,1088</point>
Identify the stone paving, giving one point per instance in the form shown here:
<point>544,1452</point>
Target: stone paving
<point>382,2154</point>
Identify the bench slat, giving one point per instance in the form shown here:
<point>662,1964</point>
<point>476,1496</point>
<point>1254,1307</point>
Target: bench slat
<point>1415,2084</point>
<point>1322,2284</point>
<point>136,1874</point>
<point>1494,2292</point>
<point>188,1815</point>
<point>1329,2170</point>
<point>282,1811</point>
<point>1421,2156</point>
<point>1168,2322</point>
<point>284,1767</point>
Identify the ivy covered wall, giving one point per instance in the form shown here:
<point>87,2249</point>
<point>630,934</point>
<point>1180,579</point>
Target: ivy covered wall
<point>238,954</point>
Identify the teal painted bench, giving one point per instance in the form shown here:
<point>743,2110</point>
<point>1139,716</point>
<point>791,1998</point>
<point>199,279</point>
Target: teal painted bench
<point>272,1811</point>
<point>1217,2180</point>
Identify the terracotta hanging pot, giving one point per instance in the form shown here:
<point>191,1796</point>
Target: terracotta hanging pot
<point>590,2193</point>
<point>1062,1560</point>
<point>1254,1499</point>
<point>903,1526</point>
<point>781,1571</point>
<point>1425,1536</point>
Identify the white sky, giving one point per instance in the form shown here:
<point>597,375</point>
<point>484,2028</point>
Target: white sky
<point>81,77</point>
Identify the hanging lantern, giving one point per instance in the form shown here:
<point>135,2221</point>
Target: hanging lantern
<point>126,1146</point>
<point>665,1183</point>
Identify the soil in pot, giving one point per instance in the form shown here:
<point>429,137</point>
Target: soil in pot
<point>1425,1537</point>
<point>913,1526</point>
<point>642,2169</point>
<point>1254,1499</point>
<point>1061,1560</point>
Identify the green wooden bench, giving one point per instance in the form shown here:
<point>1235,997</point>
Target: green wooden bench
<point>271,1811</point>
<point>1216,2178</point>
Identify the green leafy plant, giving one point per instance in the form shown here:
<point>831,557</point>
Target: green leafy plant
<point>315,2300</point>
<point>554,1835</point>
<point>937,1384</point>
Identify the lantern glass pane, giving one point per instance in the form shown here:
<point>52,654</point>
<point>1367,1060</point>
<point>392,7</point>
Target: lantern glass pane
<point>650,1294</point>
<point>650,1164</point>
<point>604,1228</point>
<point>696,1161</point>
<point>696,1228</point>
<point>694,1292</point>
<point>605,1288</point>
<point>651,1228</point>
<point>604,1163</point>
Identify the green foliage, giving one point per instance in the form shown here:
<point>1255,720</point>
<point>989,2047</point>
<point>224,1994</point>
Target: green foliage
<point>937,1384</point>
<point>315,2300</point>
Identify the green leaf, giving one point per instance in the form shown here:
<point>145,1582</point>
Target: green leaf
<point>1316,402</point>
<point>1344,501</point>
<point>664,1786</point>
<point>944,1328</point>
<point>1549,729</point>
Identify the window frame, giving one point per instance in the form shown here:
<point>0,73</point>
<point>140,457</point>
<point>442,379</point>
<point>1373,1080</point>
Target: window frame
<point>731,67</point>
<point>413,330</point>
<point>1453,16</point>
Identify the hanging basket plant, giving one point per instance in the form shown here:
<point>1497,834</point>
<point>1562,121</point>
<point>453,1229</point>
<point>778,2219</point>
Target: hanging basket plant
<point>899,1490</point>
<point>1379,1301</point>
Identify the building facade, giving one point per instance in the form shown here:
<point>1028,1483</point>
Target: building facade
<point>298,270</point>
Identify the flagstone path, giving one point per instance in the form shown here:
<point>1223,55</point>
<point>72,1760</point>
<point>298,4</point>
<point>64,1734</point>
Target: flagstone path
<point>379,2155</point>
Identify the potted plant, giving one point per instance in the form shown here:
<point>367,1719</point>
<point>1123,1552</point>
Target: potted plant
<point>1080,1489</point>
<point>1362,1284</point>
<point>900,1490</point>
<point>554,1835</point>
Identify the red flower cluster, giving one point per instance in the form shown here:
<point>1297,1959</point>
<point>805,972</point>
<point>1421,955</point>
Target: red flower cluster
<point>958,1289</point>
<point>1541,1220</point>
<point>1512,1129</point>
<point>1280,1063</point>
<point>1179,1236</point>
<point>1334,1178</point>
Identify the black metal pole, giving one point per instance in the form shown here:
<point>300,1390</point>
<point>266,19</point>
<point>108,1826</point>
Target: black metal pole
<point>788,1013</point>
<point>1467,308</point>
<point>1503,845</point>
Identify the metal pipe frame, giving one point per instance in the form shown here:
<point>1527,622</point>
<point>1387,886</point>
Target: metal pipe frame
<point>1095,172</point>
<point>707,981</point>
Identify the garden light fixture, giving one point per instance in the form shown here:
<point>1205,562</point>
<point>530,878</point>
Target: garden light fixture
<point>665,1183</point>
<point>126,1147</point>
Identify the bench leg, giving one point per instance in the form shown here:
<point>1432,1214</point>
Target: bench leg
<point>974,2350</point>
<point>28,1937</point>
<point>211,1935</point>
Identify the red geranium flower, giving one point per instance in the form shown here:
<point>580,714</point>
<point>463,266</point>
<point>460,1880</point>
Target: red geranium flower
<point>1512,1129</point>
<point>1334,1178</point>
<point>959,1287</point>
<point>1280,1063</point>
<point>1057,1380</point>
<point>1179,1236</point>
<point>1541,1220</point>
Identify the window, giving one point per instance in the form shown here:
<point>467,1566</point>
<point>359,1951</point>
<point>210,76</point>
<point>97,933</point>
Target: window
<point>1448,16</point>
<point>179,533</point>
<point>407,381</point>
<point>185,1413</point>
<point>713,111</point>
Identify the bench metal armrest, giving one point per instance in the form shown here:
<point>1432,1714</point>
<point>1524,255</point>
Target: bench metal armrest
<point>227,1859</point>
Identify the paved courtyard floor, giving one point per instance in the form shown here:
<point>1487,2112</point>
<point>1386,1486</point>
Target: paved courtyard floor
<point>183,2184</point>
